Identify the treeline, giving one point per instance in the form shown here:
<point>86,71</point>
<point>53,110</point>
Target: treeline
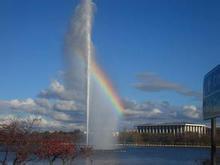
<point>167,139</point>
<point>19,144</point>
<point>76,136</point>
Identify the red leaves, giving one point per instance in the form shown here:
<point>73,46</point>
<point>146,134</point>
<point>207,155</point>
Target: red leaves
<point>18,138</point>
<point>52,149</point>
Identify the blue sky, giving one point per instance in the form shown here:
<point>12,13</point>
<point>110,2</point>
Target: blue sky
<point>175,40</point>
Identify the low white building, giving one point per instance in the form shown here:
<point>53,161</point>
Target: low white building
<point>172,128</point>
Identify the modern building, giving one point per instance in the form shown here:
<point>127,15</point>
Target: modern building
<point>172,128</point>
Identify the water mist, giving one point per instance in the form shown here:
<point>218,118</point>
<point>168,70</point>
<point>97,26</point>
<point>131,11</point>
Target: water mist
<point>101,120</point>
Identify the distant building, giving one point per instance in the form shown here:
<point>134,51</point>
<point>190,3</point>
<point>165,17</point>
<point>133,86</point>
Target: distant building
<point>172,128</point>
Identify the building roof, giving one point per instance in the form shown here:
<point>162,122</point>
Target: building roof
<point>171,124</point>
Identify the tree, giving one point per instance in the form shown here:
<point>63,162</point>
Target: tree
<point>15,137</point>
<point>18,138</point>
<point>52,149</point>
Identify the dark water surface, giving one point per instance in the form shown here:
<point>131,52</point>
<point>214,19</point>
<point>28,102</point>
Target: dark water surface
<point>142,156</point>
<point>148,155</point>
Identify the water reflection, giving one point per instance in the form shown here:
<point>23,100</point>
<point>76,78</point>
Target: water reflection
<point>148,155</point>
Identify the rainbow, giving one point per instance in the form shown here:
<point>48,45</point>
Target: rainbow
<point>107,87</point>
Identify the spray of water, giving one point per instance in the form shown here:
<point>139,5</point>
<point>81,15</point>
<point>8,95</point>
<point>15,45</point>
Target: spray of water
<point>79,53</point>
<point>88,9</point>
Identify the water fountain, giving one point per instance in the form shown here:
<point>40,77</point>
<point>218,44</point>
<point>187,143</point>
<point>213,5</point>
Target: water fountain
<point>102,103</point>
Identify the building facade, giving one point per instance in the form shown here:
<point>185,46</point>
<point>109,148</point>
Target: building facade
<point>172,128</point>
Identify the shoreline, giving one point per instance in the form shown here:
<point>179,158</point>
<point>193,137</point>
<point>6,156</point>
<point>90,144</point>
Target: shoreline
<point>164,145</point>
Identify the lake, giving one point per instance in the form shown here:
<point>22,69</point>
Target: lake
<point>148,155</point>
<point>142,156</point>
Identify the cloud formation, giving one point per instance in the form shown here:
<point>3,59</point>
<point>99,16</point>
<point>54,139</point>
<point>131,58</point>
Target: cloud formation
<point>24,104</point>
<point>63,114</point>
<point>150,82</point>
<point>191,111</point>
<point>158,112</point>
<point>57,90</point>
<point>63,105</point>
<point>55,111</point>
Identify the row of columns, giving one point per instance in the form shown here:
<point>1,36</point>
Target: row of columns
<point>197,129</point>
<point>175,129</point>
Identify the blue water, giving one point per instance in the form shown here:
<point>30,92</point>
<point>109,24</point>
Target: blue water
<point>148,155</point>
<point>142,156</point>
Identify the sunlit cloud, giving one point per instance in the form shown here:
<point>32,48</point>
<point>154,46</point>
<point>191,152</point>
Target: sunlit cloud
<point>158,112</point>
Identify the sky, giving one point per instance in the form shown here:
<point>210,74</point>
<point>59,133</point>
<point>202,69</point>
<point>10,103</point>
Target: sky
<point>155,52</point>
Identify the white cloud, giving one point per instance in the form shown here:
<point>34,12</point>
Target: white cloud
<point>191,111</point>
<point>155,112</point>
<point>27,103</point>
<point>65,105</point>
<point>55,90</point>
<point>57,87</point>
<point>43,103</point>
<point>47,111</point>
<point>158,112</point>
<point>60,116</point>
<point>147,113</point>
<point>43,123</point>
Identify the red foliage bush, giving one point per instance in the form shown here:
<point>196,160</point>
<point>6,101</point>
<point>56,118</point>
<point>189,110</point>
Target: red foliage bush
<point>52,149</point>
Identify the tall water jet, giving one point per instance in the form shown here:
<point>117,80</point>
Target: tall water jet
<point>88,13</point>
<point>78,53</point>
<point>99,97</point>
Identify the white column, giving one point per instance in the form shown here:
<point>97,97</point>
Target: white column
<point>178,129</point>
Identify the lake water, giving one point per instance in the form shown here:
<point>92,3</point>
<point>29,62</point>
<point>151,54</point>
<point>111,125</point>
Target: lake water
<point>148,155</point>
<point>142,156</point>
